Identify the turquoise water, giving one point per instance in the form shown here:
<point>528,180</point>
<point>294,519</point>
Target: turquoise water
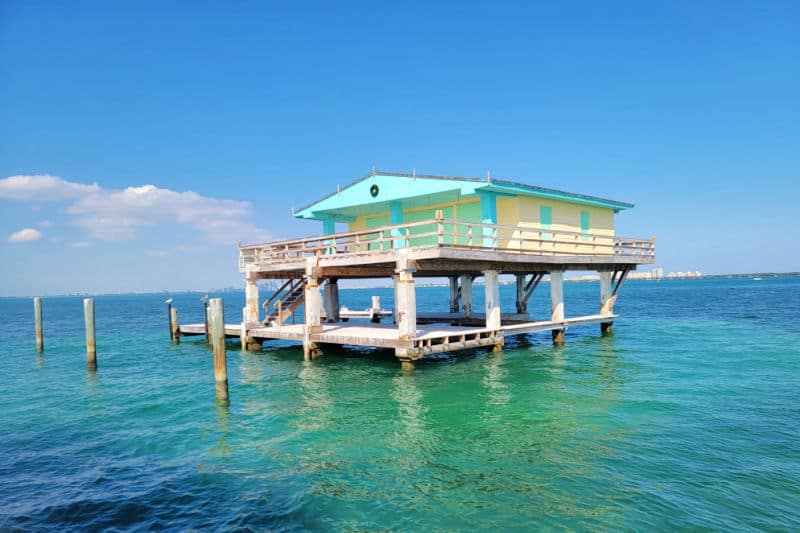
<point>686,417</point>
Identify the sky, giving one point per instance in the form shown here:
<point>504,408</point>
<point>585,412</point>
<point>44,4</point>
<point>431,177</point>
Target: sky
<point>139,141</point>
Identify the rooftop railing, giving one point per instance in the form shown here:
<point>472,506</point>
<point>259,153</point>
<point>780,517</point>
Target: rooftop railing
<point>440,232</point>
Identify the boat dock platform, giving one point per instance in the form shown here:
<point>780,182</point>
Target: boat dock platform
<point>429,339</point>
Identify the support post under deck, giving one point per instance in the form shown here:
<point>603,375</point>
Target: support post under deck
<point>454,296</point>
<point>492,301</point>
<point>606,300</point>
<point>312,305</point>
<point>250,314</point>
<point>557,303</point>
<point>522,303</point>
<point>406,305</point>
<point>466,295</point>
<point>332,300</point>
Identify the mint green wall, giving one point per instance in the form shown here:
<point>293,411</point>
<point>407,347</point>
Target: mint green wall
<point>469,212</point>
<point>427,214</point>
<point>377,222</point>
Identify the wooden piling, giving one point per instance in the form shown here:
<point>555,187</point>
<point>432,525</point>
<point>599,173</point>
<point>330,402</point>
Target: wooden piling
<point>88,317</point>
<point>37,321</point>
<point>174,332</point>
<point>206,321</point>
<point>216,318</point>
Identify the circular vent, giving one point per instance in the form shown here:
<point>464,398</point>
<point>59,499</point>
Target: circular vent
<point>374,190</point>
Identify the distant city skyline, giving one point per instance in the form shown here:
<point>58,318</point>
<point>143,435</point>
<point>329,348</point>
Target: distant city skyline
<point>140,143</point>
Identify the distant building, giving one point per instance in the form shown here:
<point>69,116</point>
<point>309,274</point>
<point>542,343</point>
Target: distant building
<point>681,275</point>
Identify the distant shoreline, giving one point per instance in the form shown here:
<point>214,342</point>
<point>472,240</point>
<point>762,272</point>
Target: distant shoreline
<point>423,284</point>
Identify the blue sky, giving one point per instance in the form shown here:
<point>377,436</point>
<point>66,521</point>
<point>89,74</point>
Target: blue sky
<point>235,112</point>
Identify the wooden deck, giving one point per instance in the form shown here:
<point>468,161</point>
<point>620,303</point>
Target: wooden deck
<point>429,339</point>
<point>442,247</point>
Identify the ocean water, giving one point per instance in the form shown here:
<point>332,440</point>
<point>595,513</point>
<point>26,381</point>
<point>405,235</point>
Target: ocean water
<point>686,417</point>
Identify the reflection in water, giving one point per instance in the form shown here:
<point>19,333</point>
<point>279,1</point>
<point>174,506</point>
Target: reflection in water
<point>559,360</point>
<point>412,434</point>
<point>607,359</point>
<point>223,415</point>
<point>92,383</point>
<point>315,412</point>
<point>494,373</point>
<point>251,368</point>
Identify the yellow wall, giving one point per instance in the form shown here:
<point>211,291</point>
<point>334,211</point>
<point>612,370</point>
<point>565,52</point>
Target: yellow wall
<point>518,212</point>
<point>565,216</point>
<point>524,212</point>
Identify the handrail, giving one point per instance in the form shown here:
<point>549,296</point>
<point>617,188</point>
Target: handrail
<point>535,240</point>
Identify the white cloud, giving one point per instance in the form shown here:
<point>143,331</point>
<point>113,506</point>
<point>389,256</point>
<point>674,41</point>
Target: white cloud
<point>156,253</point>
<point>45,224</point>
<point>25,235</point>
<point>113,214</point>
<point>80,244</point>
<point>43,188</point>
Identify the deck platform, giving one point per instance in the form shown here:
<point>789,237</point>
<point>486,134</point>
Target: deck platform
<point>429,338</point>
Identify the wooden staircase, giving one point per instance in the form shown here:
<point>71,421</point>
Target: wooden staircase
<point>283,303</point>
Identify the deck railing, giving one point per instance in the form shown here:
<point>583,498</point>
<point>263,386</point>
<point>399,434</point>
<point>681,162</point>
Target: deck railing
<point>441,232</point>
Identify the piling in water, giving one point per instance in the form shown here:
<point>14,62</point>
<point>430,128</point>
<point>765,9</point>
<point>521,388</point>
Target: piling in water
<point>174,333</point>
<point>37,320</point>
<point>206,321</point>
<point>88,316</point>
<point>216,320</point>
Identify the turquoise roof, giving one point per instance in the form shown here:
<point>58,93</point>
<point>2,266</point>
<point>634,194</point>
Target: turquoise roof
<point>415,190</point>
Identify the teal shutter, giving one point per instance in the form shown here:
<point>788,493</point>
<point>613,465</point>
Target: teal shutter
<point>585,224</point>
<point>585,221</point>
<point>545,220</point>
